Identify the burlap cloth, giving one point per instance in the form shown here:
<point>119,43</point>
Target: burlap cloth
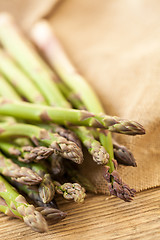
<point>116,46</point>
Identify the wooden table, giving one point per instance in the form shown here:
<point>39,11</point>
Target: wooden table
<point>99,218</point>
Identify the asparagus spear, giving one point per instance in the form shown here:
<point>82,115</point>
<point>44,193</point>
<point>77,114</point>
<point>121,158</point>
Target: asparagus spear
<point>40,113</point>
<point>42,35</point>
<point>70,95</point>
<point>25,55</point>
<point>53,214</point>
<point>100,156</point>
<point>20,174</point>
<point>18,79</point>
<point>6,210</point>
<point>71,191</point>
<point>33,193</point>
<point>26,153</point>
<point>40,136</point>
<point>49,210</point>
<point>18,203</point>
<point>66,133</point>
<point>46,187</point>
<point>44,38</point>
<point>123,155</point>
<point>7,90</point>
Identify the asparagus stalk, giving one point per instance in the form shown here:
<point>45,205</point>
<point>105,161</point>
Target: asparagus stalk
<point>71,191</point>
<point>7,91</point>
<point>40,113</point>
<point>53,214</point>
<point>44,38</point>
<point>41,137</point>
<point>33,193</point>
<point>70,96</point>
<point>18,79</point>
<point>26,56</point>
<point>123,155</point>
<point>18,203</point>
<point>20,174</point>
<point>6,210</point>
<point>42,35</point>
<point>26,153</point>
<point>46,187</point>
<point>100,156</point>
<point>66,133</point>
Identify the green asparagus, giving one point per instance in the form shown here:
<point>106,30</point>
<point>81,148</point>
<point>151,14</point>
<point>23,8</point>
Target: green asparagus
<point>18,79</point>
<point>6,210</point>
<point>42,33</point>
<point>71,191</point>
<point>41,137</point>
<point>123,155</point>
<point>26,153</point>
<point>20,174</point>
<point>17,203</point>
<point>7,91</point>
<point>40,113</point>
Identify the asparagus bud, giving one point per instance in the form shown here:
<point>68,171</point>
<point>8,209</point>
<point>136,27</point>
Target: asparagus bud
<point>71,191</point>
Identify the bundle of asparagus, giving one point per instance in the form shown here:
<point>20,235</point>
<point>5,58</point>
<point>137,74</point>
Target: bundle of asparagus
<point>43,121</point>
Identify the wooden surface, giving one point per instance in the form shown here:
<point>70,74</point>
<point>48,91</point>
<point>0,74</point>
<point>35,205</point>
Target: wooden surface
<point>99,218</point>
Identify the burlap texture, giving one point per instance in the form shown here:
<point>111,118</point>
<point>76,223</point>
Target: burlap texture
<point>116,46</point>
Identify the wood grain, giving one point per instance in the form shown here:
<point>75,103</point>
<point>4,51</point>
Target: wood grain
<point>100,218</point>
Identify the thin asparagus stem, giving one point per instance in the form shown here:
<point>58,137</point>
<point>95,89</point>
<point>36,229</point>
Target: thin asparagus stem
<point>18,203</point>
<point>33,193</point>
<point>70,96</point>
<point>40,113</point>
<point>40,136</point>
<point>46,188</point>
<point>26,153</point>
<point>52,214</point>
<point>66,133</point>
<point>7,91</point>
<point>23,175</point>
<point>18,79</point>
<point>100,156</point>
<point>6,210</point>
